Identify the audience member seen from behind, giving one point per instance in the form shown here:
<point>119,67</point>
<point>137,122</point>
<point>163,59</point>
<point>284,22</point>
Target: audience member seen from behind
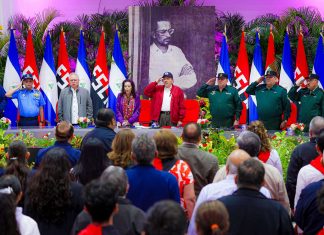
<point>17,156</point>
<point>93,161</point>
<point>320,201</point>
<point>135,217</point>
<point>8,223</point>
<point>203,165</point>
<point>250,212</point>
<point>104,130</point>
<point>267,154</point>
<point>128,105</point>
<point>101,203</point>
<point>212,218</point>
<point>10,185</point>
<point>121,154</point>
<point>52,199</point>
<point>64,132</point>
<point>302,155</point>
<point>146,184</point>
<point>165,217</point>
<point>167,147</point>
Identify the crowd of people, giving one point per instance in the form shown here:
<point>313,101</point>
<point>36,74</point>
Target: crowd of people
<point>123,184</point>
<point>167,102</point>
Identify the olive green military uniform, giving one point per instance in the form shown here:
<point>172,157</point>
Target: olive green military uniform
<point>271,104</point>
<point>310,103</point>
<point>224,105</point>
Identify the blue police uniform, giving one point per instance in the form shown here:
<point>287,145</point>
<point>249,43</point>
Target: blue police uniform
<point>29,102</point>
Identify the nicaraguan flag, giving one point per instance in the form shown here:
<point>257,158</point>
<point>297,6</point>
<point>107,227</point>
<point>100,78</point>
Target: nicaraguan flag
<point>48,83</point>
<point>286,72</point>
<point>82,68</point>
<point>256,73</point>
<point>11,79</point>
<point>319,61</point>
<point>224,62</point>
<point>117,73</point>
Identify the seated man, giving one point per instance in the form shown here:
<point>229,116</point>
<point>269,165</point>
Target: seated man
<point>104,130</point>
<point>63,134</point>
<point>146,184</point>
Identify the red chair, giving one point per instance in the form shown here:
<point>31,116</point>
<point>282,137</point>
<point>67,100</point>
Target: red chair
<point>192,112</point>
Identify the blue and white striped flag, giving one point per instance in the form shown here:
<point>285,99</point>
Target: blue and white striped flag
<point>319,61</point>
<point>117,73</point>
<point>82,68</point>
<point>48,84</point>
<point>286,72</point>
<point>256,73</point>
<point>224,62</point>
<point>12,79</point>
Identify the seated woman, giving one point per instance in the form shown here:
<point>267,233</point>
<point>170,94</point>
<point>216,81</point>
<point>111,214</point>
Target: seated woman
<point>128,105</point>
<point>267,154</point>
<point>121,154</point>
<point>52,200</point>
<point>167,147</point>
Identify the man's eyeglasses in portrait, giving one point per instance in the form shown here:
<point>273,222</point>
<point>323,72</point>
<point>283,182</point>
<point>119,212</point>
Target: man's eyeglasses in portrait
<point>170,31</point>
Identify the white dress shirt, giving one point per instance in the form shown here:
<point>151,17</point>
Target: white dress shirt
<point>173,60</point>
<point>166,103</point>
<point>215,191</point>
<point>75,108</point>
<point>307,175</point>
<point>26,225</point>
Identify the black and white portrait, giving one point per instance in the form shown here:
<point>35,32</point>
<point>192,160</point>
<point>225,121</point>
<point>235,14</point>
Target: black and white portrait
<point>179,40</point>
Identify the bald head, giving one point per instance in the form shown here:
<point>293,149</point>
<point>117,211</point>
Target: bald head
<point>235,159</point>
<point>315,126</point>
<point>191,133</point>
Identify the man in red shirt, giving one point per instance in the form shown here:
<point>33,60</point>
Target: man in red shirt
<point>167,101</point>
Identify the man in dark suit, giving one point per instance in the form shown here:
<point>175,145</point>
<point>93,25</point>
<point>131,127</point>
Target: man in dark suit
<point>249,210</point>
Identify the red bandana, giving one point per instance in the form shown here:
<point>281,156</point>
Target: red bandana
<point>317,164</point>
<point>264,156</point>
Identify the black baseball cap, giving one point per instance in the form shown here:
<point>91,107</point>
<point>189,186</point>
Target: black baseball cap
<point>167,74</point>
<point>271,73</point>
<point>27,76</point>
<point>313,76</point>
<point>222,75</point>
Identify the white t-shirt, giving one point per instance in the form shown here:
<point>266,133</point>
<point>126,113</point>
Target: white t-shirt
<point>166,103</point>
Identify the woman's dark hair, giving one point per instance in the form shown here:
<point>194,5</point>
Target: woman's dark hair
<point>8,223</point>
<point>93,161</point>
<point>166,143</point>
<point>165,218</point>
<point>212,218</point>
<point>12,182</point>
<point>258,128</point>
<point>49,194</point>
<point>133,92</point>
<point>17,163</point>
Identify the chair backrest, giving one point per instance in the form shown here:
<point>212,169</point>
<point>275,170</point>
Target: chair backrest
<point>192,111</point>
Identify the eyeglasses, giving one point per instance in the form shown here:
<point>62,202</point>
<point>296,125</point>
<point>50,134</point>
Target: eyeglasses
<point>170,31</point>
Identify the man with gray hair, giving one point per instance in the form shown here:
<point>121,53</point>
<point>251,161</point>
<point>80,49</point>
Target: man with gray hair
<point>129,219</point>
<point>251,143</point>
<point>302,155</point>
<point>224,187</point>
<point>74,102</point>
<point>146,184</point>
